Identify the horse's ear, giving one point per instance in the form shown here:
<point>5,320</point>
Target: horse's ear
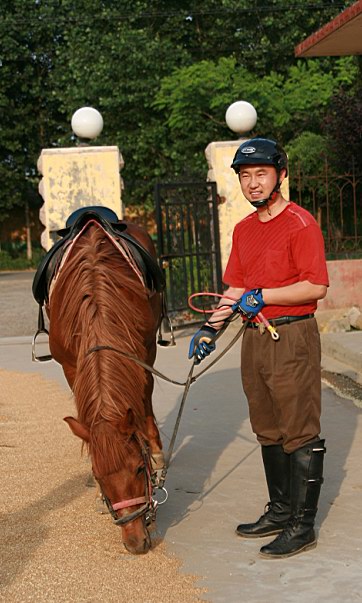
<point>77,428</point>
<point>126,424</point>
<point>129,421</point>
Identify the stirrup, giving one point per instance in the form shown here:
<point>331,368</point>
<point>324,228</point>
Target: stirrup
<point>41,330</point>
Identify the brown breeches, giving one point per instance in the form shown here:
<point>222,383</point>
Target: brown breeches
<point>282,382</point>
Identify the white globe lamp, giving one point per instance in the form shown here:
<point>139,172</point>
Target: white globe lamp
<point>87,123</point>
<point>241,117</point>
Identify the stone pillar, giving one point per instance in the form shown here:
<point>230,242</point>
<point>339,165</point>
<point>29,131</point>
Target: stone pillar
<point>233,206</point>
<point>77,177</point>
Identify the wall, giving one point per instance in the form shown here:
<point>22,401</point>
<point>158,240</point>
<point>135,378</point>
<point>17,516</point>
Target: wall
<point>345,285</point>
<point>74,178</point>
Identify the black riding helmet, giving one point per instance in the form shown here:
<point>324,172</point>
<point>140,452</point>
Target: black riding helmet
<point>261,151</point>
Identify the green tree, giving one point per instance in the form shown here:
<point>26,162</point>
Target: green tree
<point>57,55</point>
<point>29,114</point>
<point>193,100</point>
<point>306,158</point>
<point>343,128</point>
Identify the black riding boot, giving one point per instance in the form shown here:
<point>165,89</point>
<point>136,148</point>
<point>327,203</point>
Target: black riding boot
<point>277,513</point>
<point>306,479</point>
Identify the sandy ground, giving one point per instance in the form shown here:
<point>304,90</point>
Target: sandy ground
<point>54,546</point>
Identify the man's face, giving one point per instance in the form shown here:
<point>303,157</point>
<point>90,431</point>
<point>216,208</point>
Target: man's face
<point>257,181</point>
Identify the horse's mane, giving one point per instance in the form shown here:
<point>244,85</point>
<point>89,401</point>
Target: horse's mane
<point>104,303</point>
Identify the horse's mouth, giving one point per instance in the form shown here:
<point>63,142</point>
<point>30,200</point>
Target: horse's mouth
<point>138,548</point>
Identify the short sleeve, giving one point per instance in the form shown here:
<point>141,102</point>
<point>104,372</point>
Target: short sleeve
<point>233,275</point>
<point>309,255</point>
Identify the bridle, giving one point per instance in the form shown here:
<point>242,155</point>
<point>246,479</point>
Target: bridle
<point>160,484</point>
<point>149,505</point>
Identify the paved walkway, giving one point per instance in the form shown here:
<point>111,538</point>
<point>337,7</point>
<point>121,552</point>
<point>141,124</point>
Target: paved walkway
<point>216,480</point>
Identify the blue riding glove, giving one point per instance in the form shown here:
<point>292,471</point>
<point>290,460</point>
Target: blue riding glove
<point>250,303</point>
<point>202,343</point>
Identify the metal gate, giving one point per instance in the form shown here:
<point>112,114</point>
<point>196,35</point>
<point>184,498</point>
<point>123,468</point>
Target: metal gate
<point>188,243</point>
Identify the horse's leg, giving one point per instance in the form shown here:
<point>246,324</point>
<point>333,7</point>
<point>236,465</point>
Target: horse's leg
<point>69,373</point>
<point>152,432</point>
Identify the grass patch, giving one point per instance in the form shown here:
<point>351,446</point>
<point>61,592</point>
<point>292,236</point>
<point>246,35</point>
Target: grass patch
<point>9,261</point>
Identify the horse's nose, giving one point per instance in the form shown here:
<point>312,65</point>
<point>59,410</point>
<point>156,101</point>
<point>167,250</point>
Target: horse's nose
<point>137,544</point>
<point>139,548</point>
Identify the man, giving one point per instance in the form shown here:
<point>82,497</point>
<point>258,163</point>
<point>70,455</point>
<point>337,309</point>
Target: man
<point>277,265</point>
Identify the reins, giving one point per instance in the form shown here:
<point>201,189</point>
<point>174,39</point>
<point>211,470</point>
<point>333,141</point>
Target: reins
<point>191,378</point>
<point>147,367</point>
<point>189,381</point>
<point>186,384</point>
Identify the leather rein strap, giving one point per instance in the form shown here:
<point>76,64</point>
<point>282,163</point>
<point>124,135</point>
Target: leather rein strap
<point>190,379</point>
<point>187,384</point>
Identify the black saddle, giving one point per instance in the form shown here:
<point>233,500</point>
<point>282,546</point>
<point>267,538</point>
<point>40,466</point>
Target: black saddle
<point>107,218</point>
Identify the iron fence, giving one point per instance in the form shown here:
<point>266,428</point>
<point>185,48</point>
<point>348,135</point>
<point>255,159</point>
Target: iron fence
<point>188,242</point>
<point>335,200</point>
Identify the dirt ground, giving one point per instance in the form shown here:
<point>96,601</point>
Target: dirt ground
<point>54,546</point>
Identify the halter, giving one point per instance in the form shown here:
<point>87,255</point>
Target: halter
<point>148,504</point>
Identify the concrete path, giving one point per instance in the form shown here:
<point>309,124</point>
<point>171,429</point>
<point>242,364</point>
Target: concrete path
<point>216,480</point>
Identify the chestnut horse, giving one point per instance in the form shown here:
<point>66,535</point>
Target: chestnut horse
<point>99,305</point>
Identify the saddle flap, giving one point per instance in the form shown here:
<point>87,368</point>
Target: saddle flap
<point>46,266</point>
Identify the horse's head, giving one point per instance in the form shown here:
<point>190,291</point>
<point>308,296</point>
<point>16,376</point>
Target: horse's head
<point>122,467</point>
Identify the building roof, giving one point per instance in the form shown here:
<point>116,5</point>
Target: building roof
<point>340,37</point>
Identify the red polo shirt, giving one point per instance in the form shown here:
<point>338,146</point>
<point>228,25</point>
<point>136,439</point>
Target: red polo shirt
<point>285,250</point>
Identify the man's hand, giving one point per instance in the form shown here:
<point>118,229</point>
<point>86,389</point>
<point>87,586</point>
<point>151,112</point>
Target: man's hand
<point>250,303</point>
<point>202,343</point>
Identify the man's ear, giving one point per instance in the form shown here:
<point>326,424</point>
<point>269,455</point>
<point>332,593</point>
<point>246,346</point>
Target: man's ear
<point>282,175</point>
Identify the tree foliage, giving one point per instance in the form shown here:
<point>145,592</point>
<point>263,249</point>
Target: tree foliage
<point>162,74</point>
<point>194,99</point>
<point>29,115</point>
<point>343,126</point>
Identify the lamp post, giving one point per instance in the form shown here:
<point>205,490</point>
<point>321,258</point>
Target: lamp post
<point>241,118</point>
<point>87,124</point>
<point>80,176</point>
